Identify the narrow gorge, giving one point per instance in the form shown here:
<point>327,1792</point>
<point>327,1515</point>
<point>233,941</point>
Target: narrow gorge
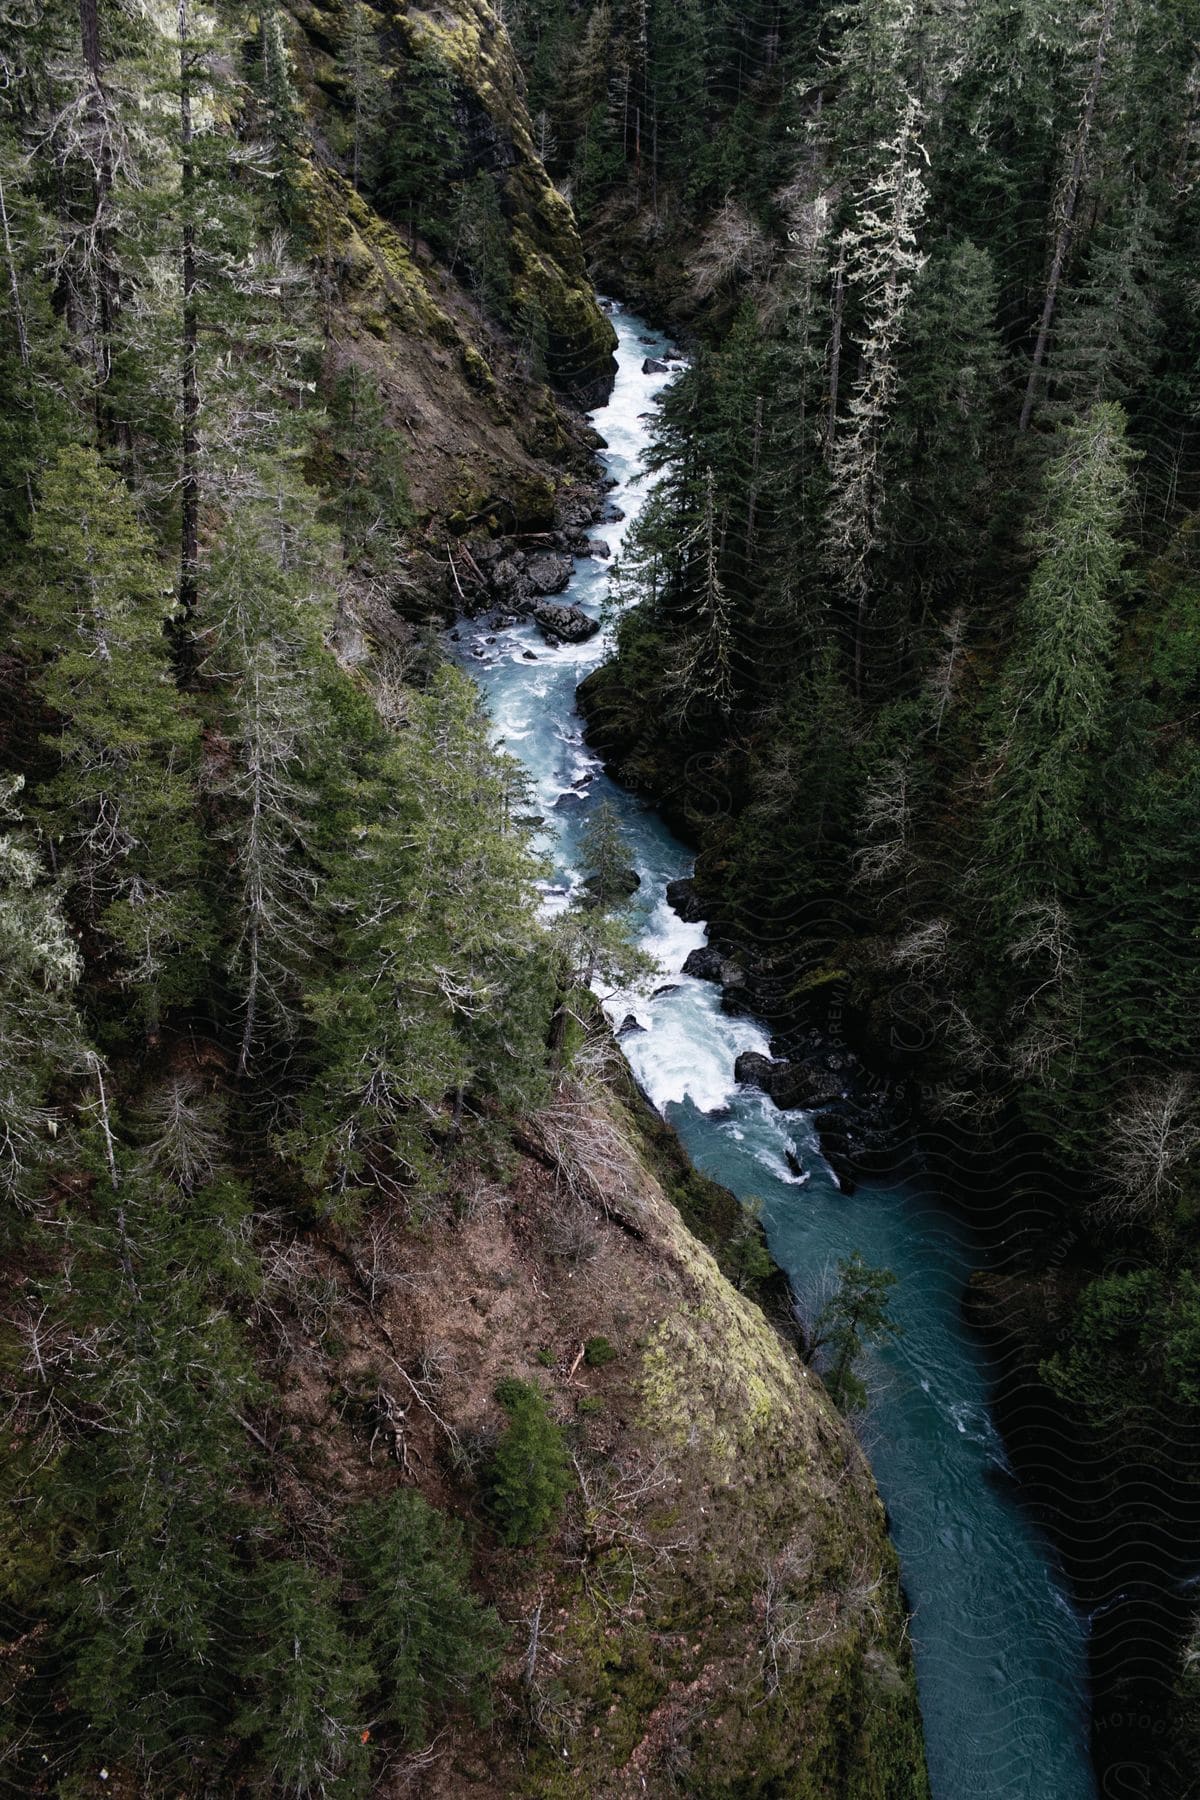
<point>599,1086</point>
<point>998,1643</point>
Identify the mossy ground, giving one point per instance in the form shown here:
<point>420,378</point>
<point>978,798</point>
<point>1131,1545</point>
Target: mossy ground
<point>717,1611</point>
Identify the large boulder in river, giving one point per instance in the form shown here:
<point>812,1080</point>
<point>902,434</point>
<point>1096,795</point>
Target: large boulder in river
<point>622,884</point>
<point>681,897</point>
<point>508,579</point>
<point>652,366</point>
<point>789,1084</point>
<point>705,963</point>
<point>711,964</point>
<point>547,573</point>
<point>563,624</point>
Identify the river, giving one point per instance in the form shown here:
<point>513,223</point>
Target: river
<point>1000,1650</point>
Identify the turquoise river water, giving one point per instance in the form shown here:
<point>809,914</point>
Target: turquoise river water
<point>1000,1650</point>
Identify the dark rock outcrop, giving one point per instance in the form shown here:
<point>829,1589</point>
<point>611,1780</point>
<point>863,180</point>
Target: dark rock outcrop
<point>705,963</point>
<point>563,624</point>
<point>681,897</point>
<point>712,964</point>
<point>790,1085</point>
<point>547,573</point>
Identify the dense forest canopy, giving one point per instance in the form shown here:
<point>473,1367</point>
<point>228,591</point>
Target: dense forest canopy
<point>270,961</point>
<point>908,637</point>
<point>337,1240</point>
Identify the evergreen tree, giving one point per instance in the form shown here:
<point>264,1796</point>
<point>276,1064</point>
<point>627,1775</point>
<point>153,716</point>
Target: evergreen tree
<point>370,504</point>
<point>604,854</point>
<point>423,147</point>
<point>307,1682</point>
<point>35,369</point>
<point>482,246</point>
<point>360,66</point>
<point>881,261</point>
<point>941,451</point>
<point>432,1645</point>
<point>530,1476</point>
<point>92,632</point>
<point>40,1034</point>
<point>855,1315</point>
<point>1054,700</point>
<point>443,988</point>
<point>263,612</point>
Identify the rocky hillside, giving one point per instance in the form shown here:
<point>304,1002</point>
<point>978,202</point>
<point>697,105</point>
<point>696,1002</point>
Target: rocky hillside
<point>718,1609</point>
<point>483,424</point>
<point>376,1415</point>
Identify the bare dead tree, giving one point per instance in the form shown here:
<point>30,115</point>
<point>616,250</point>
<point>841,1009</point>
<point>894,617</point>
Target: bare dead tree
<point>1068,206</point>
<point>1153,1134</point>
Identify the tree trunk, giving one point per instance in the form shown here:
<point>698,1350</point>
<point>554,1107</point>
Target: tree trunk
<point>752,499</point>
<point>13,281</point>
<point>104,274</point>
<point>189,473</point>
<point>1070,204</point>
<point>835,347</point>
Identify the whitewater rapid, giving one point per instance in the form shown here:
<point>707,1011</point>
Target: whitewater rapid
<point>1000,1650</point>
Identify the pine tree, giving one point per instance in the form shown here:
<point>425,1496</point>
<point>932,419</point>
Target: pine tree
<point>530,1475</point>
<point>701,677</point>
<point>444,988</point>
<point>1067,201</point>
<point>370,497</point>
<point>1054,700</point>
<point>432,1646</point>
<point>604,855</point>
<point>856,1315</point>
<point>482,245</point>
<point>304,1715</point>
<point>40,1034</point>
<point>1108,330</point>
<point>280,108</point>
<point>879,249</point>
<point>423,148</point>
<point>263,600</point>
<point>35,368</point>
<point>941,449</point>
<point>360,66</point>
<point>92,632</point>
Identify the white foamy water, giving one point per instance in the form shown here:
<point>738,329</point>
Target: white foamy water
<point>999,1646</point>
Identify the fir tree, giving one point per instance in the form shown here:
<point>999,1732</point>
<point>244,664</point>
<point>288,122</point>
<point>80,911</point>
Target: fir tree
<point>422,149</point>
<point>40,1035</point>
<point>433,1647</point>
<point>530,1475</point>
<point>855,1316</point>
<point>93,633</point>
<point>360,65</point>
<point>1054,703</point>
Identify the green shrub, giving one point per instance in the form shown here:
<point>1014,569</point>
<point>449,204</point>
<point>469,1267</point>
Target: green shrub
<point>530,1470</point>
<point>598,1351</point>
<point>431,1643</point>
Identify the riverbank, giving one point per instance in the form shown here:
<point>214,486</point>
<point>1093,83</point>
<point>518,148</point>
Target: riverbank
<point>991,1618</point>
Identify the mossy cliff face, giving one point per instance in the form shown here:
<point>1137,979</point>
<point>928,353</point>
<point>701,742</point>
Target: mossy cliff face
<point>549,268</point>
<point>477,422</point>
<point>717,1610</point>
<point>475,428</point>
